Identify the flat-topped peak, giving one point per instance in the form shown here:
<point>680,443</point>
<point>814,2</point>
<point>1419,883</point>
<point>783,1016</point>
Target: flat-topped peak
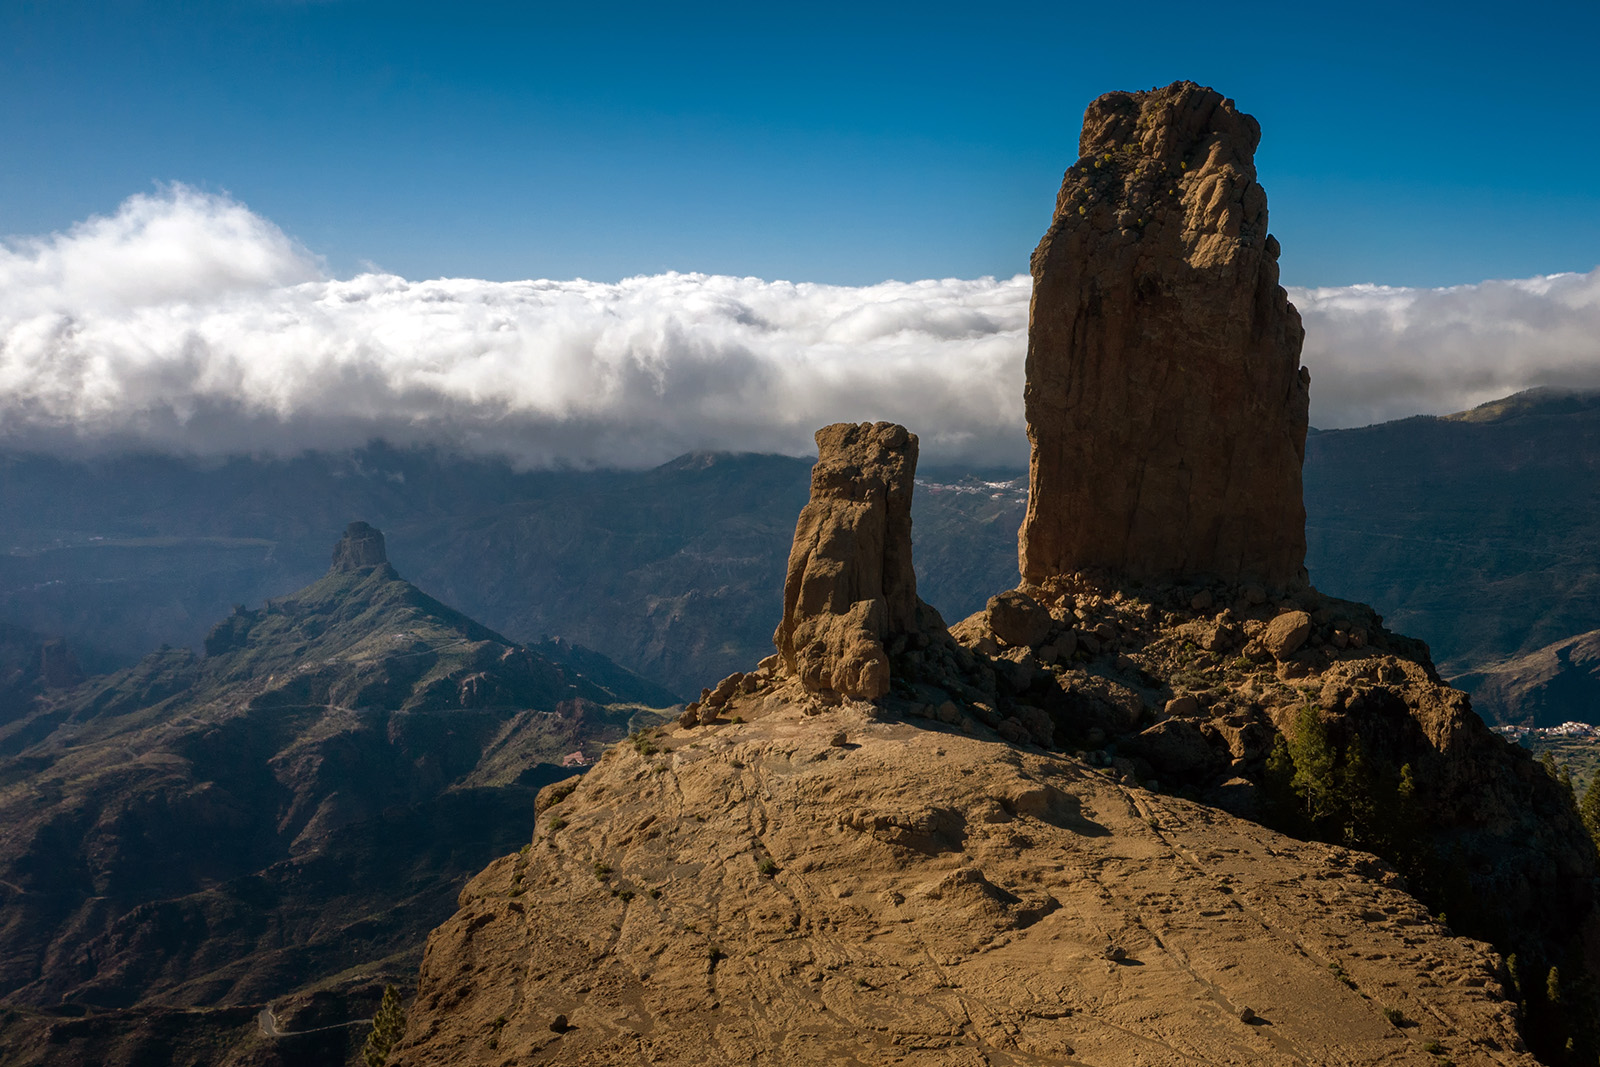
<point>359,548</point>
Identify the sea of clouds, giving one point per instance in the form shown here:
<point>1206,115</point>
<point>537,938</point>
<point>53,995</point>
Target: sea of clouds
<point>187,323</point>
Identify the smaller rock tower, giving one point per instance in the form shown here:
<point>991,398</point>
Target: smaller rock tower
<point>850,588</point>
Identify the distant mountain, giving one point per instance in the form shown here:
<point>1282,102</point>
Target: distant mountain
<point>1475,532</point>
<point>1547,687</point>
<point>672,572</point>
<point>300,803</point>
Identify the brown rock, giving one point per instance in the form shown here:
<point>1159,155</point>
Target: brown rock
<point>361,546</point>
<point>1182,707</point>
<point>1176,747</point>
<point>1165,400</point>
<point>907,883</point>
<point>1015,618</point>
<point>1285,634</point>
<point>850,587</point>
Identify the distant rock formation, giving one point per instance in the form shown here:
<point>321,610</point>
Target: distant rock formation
<point>1166,404</point>
<point>58,665</point>
<point>850,588</point>
<point>351,751</point>
<point>361,546</point>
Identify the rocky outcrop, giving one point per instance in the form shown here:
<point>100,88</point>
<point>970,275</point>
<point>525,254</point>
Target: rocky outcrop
<point>1165,400</point>
<point>360,547</point>
<point>853,888</point>
<point>924,875</point>
<point>850,588</point>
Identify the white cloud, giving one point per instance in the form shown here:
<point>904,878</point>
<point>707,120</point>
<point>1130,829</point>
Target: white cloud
<point>185,322</point>
<point>1379,353</point>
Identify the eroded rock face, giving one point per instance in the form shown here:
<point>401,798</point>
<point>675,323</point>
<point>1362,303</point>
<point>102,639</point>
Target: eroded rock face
<point>778,893</point>
<point>361,546</point>
<point>850,587</point>
<point>1166,404</point>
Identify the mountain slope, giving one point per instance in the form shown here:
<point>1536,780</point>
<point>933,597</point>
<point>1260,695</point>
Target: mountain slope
<point>671,572</point>
<point>1474,532</point>
<point>301,801</point>
<point>1546,687</point>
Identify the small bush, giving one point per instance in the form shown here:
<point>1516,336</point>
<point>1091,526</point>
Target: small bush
<point>1395,1016</point>
<point>767,866</point>
<point>601,871</point>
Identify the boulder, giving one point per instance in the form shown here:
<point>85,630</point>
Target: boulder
<point>1285,634</point>
<point>850,589</point>
<point>1166,404</point>
<point>1016,619</point>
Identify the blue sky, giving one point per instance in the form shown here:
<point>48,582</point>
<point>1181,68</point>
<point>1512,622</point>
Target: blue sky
<point>841,143</point>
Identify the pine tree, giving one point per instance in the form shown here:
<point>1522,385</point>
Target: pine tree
<point>1280,779</point>
<point>1590,809</point>
<point>387,1026</point>
<point>1313,766</point>
<point>1355,801</point>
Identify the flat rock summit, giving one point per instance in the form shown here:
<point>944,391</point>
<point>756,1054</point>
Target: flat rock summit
<point>1163,803</point>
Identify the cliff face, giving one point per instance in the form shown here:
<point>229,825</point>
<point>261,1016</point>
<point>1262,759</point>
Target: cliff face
<point>1165,399</point>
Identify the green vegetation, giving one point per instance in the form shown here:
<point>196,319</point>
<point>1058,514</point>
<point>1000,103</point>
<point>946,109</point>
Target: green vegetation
<point>1589,810</point>
<point>387,1026</point>
<point>1317,788</point>
<point>1320,790</point>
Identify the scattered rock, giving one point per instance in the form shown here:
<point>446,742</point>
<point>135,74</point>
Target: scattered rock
<point>1182,707</point>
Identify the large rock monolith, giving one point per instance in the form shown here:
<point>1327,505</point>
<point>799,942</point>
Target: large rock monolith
<point>850,587</point>
<point>360,547</point>
<point>1166,404</point>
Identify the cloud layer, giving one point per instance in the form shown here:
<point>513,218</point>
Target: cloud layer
<point>186,323</point>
